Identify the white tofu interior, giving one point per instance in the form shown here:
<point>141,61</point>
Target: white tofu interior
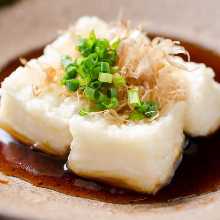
<point>42,119</point>
<point>202,116</point>
<point>141,156</point>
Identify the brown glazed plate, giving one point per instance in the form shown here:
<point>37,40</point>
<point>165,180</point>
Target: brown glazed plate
<point>193,193</point>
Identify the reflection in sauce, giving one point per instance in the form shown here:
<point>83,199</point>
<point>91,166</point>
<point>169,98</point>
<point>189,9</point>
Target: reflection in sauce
<point>198,173</point>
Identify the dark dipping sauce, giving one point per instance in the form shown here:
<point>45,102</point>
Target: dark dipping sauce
<point>199,172</point>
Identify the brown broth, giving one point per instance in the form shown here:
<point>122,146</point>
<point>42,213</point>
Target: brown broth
<point>198,173</point>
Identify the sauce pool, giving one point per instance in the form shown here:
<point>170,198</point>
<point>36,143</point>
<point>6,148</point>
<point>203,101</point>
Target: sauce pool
<point>199,172</point>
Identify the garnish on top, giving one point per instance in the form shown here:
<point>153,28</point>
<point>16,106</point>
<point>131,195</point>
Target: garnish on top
<point>95,76</point>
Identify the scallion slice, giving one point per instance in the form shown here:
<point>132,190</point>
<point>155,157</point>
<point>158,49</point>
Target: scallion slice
<point>105,77</point>
<point>72,84</point>
<point>112,92</point>
<point>104,67</point>
<point>66,60</point>
<point>83,112</point>
<point>136,116</point>
<point>90,93</point>
<point>118,80</point>
<point>71,71</point>
<point>133,97</point>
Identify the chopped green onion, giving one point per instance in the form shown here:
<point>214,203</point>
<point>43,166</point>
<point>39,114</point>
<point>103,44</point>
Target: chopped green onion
<point>136,116</point>
<point>83,82</point>
<point>83,112</point>
<point>114,69</point>
<point>112,92</point>
<point>133,97</point>
<point>113,103</point>
<point>101,47</point>
<point>80,60</point>
<point>102,43</point>
<point>111,57</point>
<point>118,80</point>
<point>80,70</point>
<point>71,71</point>
<point>105,77</point>
<point>66,61</point>
<point>93,58</point>
<point>72,84</point>
<point>63,81</point>
<point>107,103</point>
<point>65,78</point>
<point>92,38</point>
<point>102,98</point>
<point>152,110</point>
<point>102,101</point>
<point>89,63</point>
<point>104,67</point>
<point>94,69</point>
<point>90,93</point>
<point>115,43</point>
<point>95,72</point>
<point>85,46</point>
<point>149,108</point>
<point>96,84</point>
